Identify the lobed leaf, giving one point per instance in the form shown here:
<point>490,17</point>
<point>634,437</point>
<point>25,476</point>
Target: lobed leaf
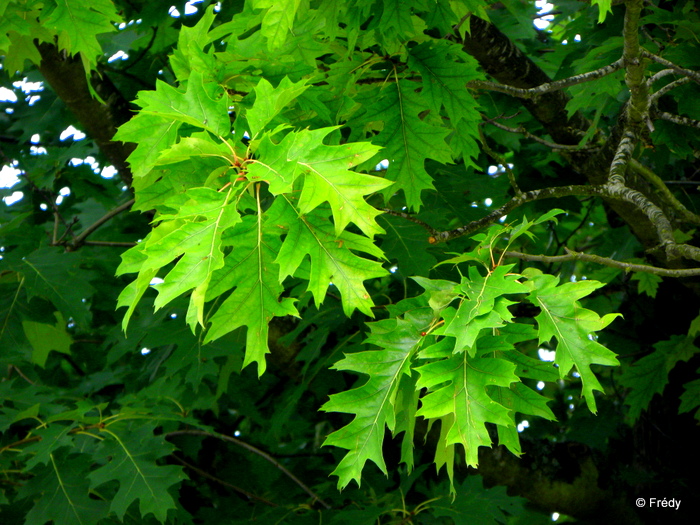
<point>129,456</point>
<point>62,487</point>
<point>374,403</point>
<point>253,275</point>
<point>573,326</point>
<point>457,388</point>
<point>332,257</point>
<point>408,140</point>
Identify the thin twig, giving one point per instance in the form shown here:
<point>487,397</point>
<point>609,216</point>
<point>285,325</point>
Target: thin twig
<point>515,202</point>
<point>12,306</point>
<point>69,229</point>
<point>547,143</point>
<point>659,75</point>
<point>669,198</point>
<point>411,218</point>
<point>500,160</point>
<point>254,450</point>
<point>143,51</point>
<point>549,86</point>
<point>613,190</point>
<point>687,72</point>
<point>110,243</point>
<point>677,119</point>
<point>456,27</point>
<point>50,198</point>
<point>683,182</point>
<point>80,239</point>
<point>548,13</point>
<point>668,87</point>
<point>20,373</point>
<point>204,473</point>
<point>605,261</point>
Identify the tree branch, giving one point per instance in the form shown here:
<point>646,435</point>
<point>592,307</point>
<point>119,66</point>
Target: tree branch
<point>614,190</point>
<point>638,106</point>
<point>605,261</point>
<point>694,75</point>
<point>531,93</point>
<point>80,239</point>
<point>204,473</point>
<point>677,119</point>
<point>507,64</point>
<point>432,231</point>
<point>623,154</point>
<point>515,202</point>
<point>669,199</point>
<point>659,75</point>
<point>99,120</point>
<point>529,135</point>
<point>668,87</point>
<point>110,243</point>
<point>254,450</point>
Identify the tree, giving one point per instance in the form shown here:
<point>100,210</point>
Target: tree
<point>335,243</point>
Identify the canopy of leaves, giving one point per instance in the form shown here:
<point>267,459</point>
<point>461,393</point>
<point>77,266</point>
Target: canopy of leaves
<point>355,261</point>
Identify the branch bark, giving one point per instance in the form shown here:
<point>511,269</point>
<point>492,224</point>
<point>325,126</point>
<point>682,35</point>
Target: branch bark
<point>643,204</point>
<point>99,120</point>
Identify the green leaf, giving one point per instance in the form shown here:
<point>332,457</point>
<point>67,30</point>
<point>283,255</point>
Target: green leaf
<point>648,283</point>
<point>406,243</point>
<point>333,258</point>
<point>457,395</point>
<point>152,134</point>
<point>18,47</point>
<point>278,20</point>
<point>408,140</point>
<point>63,489</point>
<point>475,504</point>
<point>396,23</point>
<point>132,293</point>
<point>270,101</point>
<point>479,309</point>
<point>694,327</point>
<point>251,269</point>
<point>203,105</point>
<point>45,337</point>
<point>444,81</point>
<point>406,406</point>
<point>604,7</point>
<point>649,375</point>
<point>563,318</point>
<point>191,41</point>
<point>129,455</point>
<point>690,399</point>
<point>59,278</point>
<point>78,25</point>
<point>206,214</point>
<point>327,176</point>
<point>195,232</point>
<point>195,146</point>
<point>374,403</point>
